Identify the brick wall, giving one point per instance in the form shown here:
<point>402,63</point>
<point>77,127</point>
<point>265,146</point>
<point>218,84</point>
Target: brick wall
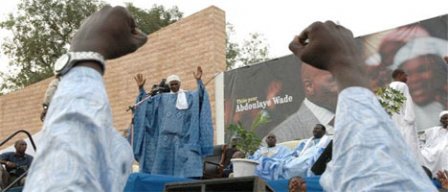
<point>197,40</point>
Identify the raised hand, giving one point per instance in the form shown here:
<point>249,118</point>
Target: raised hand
<point>442,176</point>
<point>111,32</point>
<point>198,74</point>
<point>140,80</point>
<point>331,47</point>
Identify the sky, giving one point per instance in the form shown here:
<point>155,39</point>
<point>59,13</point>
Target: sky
<point>278,21</point>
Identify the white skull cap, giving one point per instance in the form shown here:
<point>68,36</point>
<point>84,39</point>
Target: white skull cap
<point>172,78</point>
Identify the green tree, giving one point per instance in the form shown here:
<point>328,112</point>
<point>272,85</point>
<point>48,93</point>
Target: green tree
<point>251,51</point>
<point>254,50</point>
<point>232,48</point>
<point>155,18</point>
<point>42,30</point>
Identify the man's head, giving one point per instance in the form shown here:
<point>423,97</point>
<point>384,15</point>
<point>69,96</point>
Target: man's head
<point>320,87</point>
<point>271,140</point>
<point>296,184</point>
<point>399,75</point>
<point>427,77</point>
<point>397,38</point>
<point>319,131</point>
<point>444,118</point>
<point>234,141</point>
<point>422,59</point>
<point>238,154</point>
<point>174,83</point>
<point>20,146</point>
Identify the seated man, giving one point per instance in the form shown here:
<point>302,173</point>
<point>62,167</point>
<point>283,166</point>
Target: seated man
<point>272,150</point>
<point>298,162</point>
<point>228,151</point>
<point>16,163</point>
<point>228,171</point>
<point>435,149</point>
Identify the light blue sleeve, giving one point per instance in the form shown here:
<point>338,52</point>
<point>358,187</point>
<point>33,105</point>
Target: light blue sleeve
<point>257,155</point>
<point>282,152</point>
<point>298,149</point>
<point>205,121</point>
<point>369,153</point>
<point>80,150</point>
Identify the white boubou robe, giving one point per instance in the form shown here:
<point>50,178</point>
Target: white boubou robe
<point>405,119</point>
<point>435,150</point>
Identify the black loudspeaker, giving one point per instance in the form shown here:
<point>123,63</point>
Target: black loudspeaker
<point>321,164</point>
<point>248,184</point>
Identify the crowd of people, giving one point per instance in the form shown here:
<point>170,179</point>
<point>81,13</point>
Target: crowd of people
<point>81,151</point>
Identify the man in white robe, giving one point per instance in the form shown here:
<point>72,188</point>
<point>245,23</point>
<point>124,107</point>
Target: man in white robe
<point>405,118</point>
<point>435,150</point>
<point>299,162</point>
<point>271,150</point>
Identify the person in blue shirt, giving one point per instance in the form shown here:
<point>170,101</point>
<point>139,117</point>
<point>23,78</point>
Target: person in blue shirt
<point>16,163</point>
<point>272,150</point>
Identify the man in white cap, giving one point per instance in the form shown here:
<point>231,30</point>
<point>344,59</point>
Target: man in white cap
<point>172,131</point>
<point>435,150</point>
<point>174,84</point>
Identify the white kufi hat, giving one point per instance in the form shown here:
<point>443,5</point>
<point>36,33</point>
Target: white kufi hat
<point>172,78</point>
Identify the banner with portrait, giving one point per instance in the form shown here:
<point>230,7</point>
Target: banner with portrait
<point>418,49</point>
<point>270,88</point>
<point>295,97</point>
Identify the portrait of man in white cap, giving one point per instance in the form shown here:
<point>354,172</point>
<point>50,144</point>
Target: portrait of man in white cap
<point>422,60</point>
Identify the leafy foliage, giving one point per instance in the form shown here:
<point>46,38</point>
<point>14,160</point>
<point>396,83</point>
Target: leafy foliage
<point>232,48</point>
<point>42,30</point>
<point>155,18</point>
<point>248,141</point>
<point>252,50</point>
<point>390,99</point>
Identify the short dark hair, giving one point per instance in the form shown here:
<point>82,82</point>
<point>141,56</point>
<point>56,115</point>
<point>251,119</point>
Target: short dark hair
<point>295,177</point>
<point>396,73</point>
<point>18,142</point>
<point>321,126</point>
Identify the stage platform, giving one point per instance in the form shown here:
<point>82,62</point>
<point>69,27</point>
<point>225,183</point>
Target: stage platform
<point>155,183</point>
